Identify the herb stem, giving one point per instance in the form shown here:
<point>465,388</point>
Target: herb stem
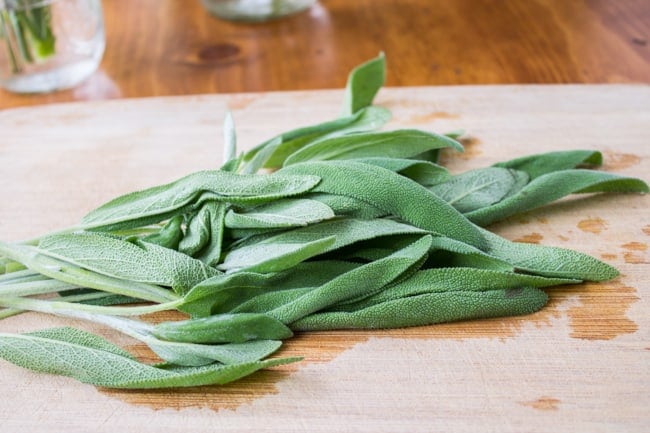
<point>61,307</point>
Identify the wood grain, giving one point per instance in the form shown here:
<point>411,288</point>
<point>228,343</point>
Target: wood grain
<point>579,365</point>
<point>171,47</point>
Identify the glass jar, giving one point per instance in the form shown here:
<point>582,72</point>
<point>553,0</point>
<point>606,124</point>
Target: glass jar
<point>255,10</point>
<point>48,45</point>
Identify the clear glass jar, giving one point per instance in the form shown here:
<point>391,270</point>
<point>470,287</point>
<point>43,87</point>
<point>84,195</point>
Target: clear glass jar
<point>255,10</point>
<point>48,45</point>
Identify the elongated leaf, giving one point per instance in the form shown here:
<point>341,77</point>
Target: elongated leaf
<point>392,193</point>
<point>182,351</point>
<point>423,172</point>
<point>548,261</point>
<point>454,280</point>
<point>479,188</point>
<point>204,233</point>
<point>223,293</point>
<point>363,84</point>
<point>135,261</point>
<point>359,282</point>
<point>257,250</point>
<point>280,214</point>
<point>348,206</point>
<point>272,153</point>
<point>537,165</point>
<point>67,272</point>
<point>552,186</point>
<point>429,308</point>
<point>274,257</point>
<point>401,143</point>
<point>161,202</point>
<point>224,328</point>
<point>366,119</point>
<point>80,355</point>
<point>169,236</point>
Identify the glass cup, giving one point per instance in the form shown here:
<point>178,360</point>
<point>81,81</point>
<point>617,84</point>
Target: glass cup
<point>47,45</point>
<point>255,10</point>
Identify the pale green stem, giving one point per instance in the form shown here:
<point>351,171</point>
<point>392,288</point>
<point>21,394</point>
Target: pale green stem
<point>31,288</point>
<point>61,308</point>
<point>8,312</point>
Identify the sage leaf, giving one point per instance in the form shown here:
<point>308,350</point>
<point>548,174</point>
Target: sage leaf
<point>204,233</point>
<point>272,153</point>
<point>136,260</point>
<point>162,202</point>
<point>363,84</point>
<point>480,188</point>
<point>169,236</point>
<point>548,261</point>
<point>89,359</point>
<point>280,214</point>
<point>552,186</point>
<point>256,252</point>
<point>402,143</point>
<point>64,271</point>
<point>223,293</point>
<point>537,165</point>
<point>456,279</point>
<point>273,258</point>
<point>359,282</point>
<point>392,193</point>
<point>224,328</point>
<point>428,309</point>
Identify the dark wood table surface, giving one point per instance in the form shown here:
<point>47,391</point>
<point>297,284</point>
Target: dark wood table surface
<point>174,47</point>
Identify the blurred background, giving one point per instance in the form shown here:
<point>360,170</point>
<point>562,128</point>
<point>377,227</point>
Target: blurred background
<point>177,47</point>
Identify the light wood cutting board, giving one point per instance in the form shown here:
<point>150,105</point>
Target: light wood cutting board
<point>580,365</point>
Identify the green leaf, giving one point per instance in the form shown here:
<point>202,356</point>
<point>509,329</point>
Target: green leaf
<point>273,152</point>
<point>223,293</point>
<point>348,206</point>
<point>80,355</point>
<point>255,252</point>
<point>135,261</point>
<point>552,186</point>
<point>281,213</point>
<point>537,165</point>
<point>367,119</point>
<point>423,172</point>
<point>428,309</point>
<point>224,328</point>
<point>401,143</point>
<point>169,235</point>
<point>454,280</point>
<point>204,233</point>
<point>476,189</point>
<point>357,283</point>
<point>67,272</point>
<point>164,201</point>
<point>363,84</point>
<point>274,257</point>
<point>548,261</point>
<point>392,193</point>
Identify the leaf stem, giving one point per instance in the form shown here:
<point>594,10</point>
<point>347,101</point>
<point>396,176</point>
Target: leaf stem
<point>60,308</point>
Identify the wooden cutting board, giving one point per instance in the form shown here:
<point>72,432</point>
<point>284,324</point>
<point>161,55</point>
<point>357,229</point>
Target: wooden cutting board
<point>581,364</point>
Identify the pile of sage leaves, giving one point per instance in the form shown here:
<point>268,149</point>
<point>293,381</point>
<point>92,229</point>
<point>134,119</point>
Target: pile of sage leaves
<point>332,226</point>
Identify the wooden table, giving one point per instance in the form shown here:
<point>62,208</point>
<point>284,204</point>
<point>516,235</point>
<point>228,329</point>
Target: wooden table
<point>174,47</point>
